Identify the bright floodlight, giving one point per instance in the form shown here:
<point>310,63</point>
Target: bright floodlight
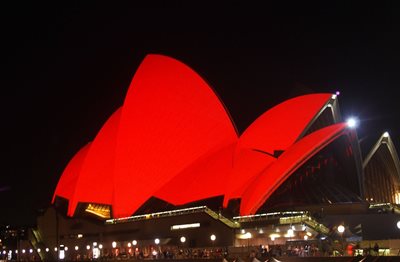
<point>134,242</point>
<point>352,122</point>
<point>114,244</point>
<point>183,239</point>
<point>340,229</point>
<point>386,134</point>
<point>398,224</point>
<point>157,241</point>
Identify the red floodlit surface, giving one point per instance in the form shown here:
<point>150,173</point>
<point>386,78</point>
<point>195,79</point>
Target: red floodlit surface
<point>95,182</point>
<point>246,165</point>
<point>174,140</point>
<point>276,129</point>
<point>170,118</point>
<point>67,183</point>
<point>267,182</point>
<point>203,179</point>
<point>281,126</point>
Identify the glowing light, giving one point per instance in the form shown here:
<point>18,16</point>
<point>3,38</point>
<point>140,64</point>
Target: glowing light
<point>66,248</point>
<point>101,246</point>
<point>80,235</point>
<point>95,244</point>
<point>184,226</point>
<point>55,249</point>
<point>248,235</point>
<point>213,237</point>
<point>76,248</point>
<point>305,237</point>
<point>340,229</point>
<point>47,249</point>
<point>23,251</point>
<point>352,122</point>
<point>129,244</point>
<point>337,93</point>
<point>87,247</point>
<point>114,244</point>
<point>157,241</point>
<point>134,242</point>
<point>386,134</point>
<point>261,231</point>
<point>290,233</point>
<point>398,224</point>
<point>38,250</point>
<point>183,239</point>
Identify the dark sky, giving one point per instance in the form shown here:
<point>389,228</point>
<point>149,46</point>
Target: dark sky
<point>66,69</point>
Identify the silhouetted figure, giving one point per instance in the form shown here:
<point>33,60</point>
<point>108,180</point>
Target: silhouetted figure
<point>376,249</point>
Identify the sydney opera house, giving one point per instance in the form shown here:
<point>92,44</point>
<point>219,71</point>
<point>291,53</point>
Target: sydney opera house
<point>169,166</point>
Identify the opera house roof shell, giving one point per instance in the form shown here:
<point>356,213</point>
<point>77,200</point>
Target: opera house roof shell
<point>174,140</point>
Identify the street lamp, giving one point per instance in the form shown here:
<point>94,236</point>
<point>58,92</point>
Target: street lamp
<point>248,236</point>
<point>341,229</point>
<point>114,245</point>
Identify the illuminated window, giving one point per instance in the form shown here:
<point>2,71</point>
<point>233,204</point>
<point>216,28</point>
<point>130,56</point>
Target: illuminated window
<point>102,211</point>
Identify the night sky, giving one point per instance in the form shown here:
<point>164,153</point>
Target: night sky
<point>66,69</point>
